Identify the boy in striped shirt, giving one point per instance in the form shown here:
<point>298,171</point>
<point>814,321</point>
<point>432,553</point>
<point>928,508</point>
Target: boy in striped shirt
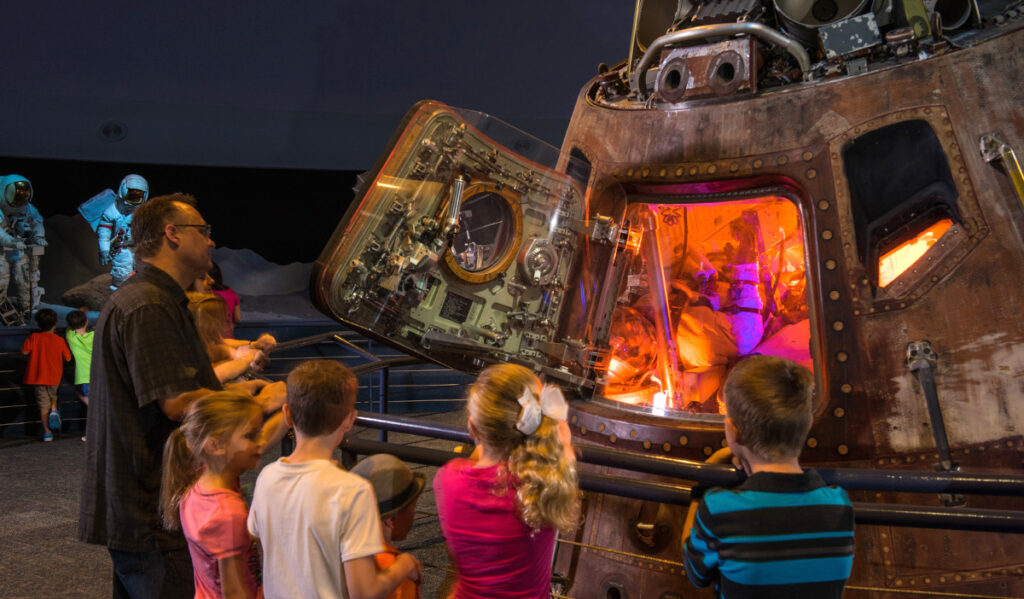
<point>782,532</point>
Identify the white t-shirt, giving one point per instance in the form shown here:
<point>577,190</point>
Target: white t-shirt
<point>310,517</point>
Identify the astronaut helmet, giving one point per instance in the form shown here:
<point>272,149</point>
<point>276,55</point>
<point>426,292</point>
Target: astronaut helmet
<point>17,191</point>
<point>133,191</point>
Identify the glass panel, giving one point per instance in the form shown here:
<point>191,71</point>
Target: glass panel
<point>896,261</point>
<point>461,250</point>
<point>712,283</point>
<point>487,226</point>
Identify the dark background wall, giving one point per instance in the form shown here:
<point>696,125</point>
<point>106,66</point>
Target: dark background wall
<point>263,83</point>
<point>267,110</point>
<point>285,215</point>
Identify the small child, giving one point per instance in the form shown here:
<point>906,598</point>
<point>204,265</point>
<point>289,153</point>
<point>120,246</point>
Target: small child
<point>317,524</point>
<point>499,512</point>
<point>232,359</point>
<point>80,342</point>
<point>782,532</point>
<point>231,299</point>
<point>46,353</point>
<point>397,490</point>
<point>223,435</point>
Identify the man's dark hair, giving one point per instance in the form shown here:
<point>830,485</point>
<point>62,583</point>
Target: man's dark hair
<point>321,393</point>
<point>76,319</point>
<point>46,319</point>
<point>149,220</point>
<point>769,399</point>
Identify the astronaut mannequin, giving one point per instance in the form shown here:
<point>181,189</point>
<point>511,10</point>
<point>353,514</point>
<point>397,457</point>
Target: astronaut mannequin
<point>21,239</point>
<point>110,215</point>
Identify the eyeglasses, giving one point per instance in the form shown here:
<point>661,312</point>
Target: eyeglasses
<point>206,229</point>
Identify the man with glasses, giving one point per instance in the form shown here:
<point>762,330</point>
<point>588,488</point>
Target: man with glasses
<point>148,367</point>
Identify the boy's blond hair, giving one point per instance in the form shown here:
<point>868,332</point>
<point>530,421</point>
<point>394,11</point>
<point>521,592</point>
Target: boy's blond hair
<point>769,400</point>
<point>321,394</point>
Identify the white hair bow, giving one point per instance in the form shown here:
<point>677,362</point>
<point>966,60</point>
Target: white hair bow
<point>551,404</point>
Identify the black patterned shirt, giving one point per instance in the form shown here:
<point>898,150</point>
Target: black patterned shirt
<point>145,349</point>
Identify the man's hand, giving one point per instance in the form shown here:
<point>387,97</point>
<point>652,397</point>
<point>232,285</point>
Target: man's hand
<point>252,387</point>
<point>272,396</point>
<point>104,258</point>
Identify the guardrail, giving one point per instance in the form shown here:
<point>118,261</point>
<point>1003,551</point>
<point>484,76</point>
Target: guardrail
<point>716,474</point>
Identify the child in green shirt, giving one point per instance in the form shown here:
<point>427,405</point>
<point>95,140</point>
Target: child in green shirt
<point>80,343</point>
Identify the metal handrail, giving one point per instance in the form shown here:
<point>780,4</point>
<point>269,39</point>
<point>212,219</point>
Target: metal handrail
<point>384,364</point>
<point>304,341</point>
<point>917,516</point>
<point>599,483</point>
<point>717,474</point>
<point>638,79</point>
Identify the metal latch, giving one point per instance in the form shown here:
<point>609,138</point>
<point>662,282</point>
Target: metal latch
<point>994,148</point>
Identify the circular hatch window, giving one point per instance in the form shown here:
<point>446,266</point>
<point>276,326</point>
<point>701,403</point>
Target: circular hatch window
<point>490,222</point>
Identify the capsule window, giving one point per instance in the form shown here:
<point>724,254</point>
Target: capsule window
<point>903,197</point>
<point>900,259</point>
<point>711,284</point>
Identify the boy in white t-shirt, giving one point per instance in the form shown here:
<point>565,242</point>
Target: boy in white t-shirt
<point>317,524</point>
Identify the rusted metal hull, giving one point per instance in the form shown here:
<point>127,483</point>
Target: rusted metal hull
<point>966,298</point>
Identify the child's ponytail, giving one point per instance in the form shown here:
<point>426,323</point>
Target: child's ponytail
<point>215,415</point>
<point>180,471</point>
<point>506,411</point>
<point>549,487</point>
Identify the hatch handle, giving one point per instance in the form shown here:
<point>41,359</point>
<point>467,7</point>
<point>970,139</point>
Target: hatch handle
<point>994,148</point>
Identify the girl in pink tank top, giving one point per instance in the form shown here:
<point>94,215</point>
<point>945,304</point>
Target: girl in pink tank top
<point>501,508</point>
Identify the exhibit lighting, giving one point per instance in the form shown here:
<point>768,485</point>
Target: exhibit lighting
<point>897,260</point>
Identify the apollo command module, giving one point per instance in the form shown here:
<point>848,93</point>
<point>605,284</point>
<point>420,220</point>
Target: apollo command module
<point>833,181</point>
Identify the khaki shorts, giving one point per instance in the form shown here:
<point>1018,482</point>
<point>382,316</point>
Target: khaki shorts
<point>46,395</point>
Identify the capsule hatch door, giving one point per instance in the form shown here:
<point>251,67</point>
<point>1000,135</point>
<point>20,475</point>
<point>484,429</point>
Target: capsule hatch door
<point>459,250</point>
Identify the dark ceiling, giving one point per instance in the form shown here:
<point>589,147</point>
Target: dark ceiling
<point>315,84</point>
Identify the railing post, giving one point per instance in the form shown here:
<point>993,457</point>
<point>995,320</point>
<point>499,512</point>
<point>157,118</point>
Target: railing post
<point>385,376</point>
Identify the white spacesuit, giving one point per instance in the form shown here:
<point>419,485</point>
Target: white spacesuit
<point>21,233</point>
<point>110,215</point>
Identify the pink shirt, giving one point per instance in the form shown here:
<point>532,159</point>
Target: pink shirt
<point>232,300</point>
<point>496,555</point>
<point>213,521</point>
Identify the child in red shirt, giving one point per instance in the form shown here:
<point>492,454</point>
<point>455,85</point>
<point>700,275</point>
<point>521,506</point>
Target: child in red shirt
<point>46,353</point>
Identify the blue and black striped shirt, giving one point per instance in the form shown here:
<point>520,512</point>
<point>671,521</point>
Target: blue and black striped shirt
<point>775,535</point>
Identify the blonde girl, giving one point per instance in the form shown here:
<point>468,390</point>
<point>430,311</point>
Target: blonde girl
<point>500,509</point>
<point>231,358</point>
<point>222,436</point>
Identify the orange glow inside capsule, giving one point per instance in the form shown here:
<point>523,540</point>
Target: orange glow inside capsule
<point>897,260</point>
<point>732,283</point>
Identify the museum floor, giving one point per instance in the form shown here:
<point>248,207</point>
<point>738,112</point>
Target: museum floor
<point>39,489</point>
